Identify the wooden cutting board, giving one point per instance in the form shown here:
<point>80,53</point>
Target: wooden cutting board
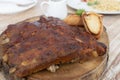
<point>89,70</point>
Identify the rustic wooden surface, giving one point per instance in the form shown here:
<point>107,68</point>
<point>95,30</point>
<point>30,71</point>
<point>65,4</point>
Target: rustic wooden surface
<point>111,22</point>
<point>84,71</point>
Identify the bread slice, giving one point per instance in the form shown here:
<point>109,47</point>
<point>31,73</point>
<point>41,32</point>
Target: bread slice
<point>93,23</point>
<point>73,20</point>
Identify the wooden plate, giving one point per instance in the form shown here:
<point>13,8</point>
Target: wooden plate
<point>89,70</point>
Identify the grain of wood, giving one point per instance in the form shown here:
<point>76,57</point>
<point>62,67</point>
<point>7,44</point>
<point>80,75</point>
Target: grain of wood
<point>113,70</point>
<point>111,22</point>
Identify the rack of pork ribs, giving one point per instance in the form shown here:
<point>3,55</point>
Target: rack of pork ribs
<point>30,47</point>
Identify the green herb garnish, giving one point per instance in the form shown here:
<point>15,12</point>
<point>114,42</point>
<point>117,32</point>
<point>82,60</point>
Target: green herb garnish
<point>92,3</point>
<point>96,2</point>
<point>80,11</point>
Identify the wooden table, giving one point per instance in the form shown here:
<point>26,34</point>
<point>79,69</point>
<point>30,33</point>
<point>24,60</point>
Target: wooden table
<point>111,22</point>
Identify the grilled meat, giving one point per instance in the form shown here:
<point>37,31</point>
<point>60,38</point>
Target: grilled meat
<point>35,46</point>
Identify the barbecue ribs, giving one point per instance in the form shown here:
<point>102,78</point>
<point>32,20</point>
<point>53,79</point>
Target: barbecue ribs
<point>35,46</point>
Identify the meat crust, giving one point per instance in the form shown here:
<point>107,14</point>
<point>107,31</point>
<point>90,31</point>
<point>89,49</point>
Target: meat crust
<point>35,46</point>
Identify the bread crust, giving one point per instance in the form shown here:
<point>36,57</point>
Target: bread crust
<point>97,26</point>
<point>73,20</point>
